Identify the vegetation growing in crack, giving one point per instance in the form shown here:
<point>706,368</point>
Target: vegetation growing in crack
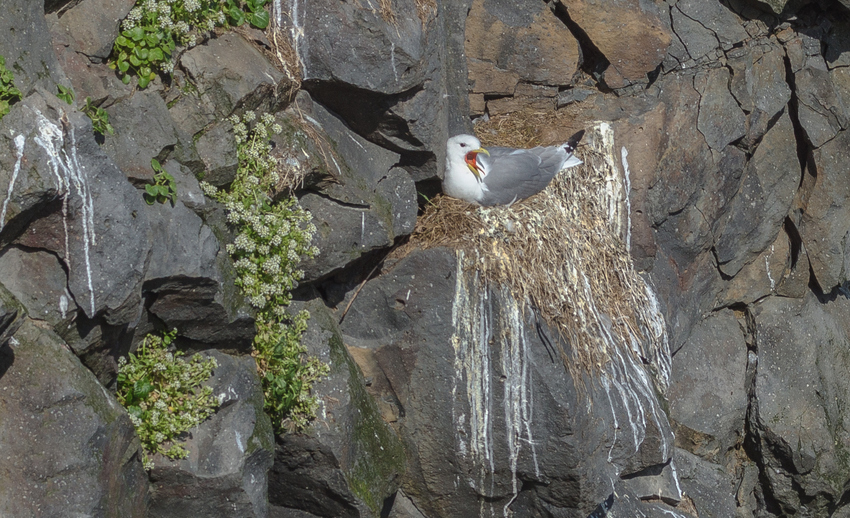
<point>164,394</point>
<point>272,237</point>
<point>9,94</point>
<point>163,188</point>
<point>99,118</point>
<point>65,93</point>
<point>153,29</point>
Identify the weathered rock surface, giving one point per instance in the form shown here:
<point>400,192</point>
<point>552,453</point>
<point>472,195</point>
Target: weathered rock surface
<point>708,391</point>
<point>229,453</point>
<point>94,25</point>
<point>464,409</point>
<point>349,461</point>
<point>730,118</point>
<point>763,202</point>
<point>47,394</point>
<point>800,424</point>
<point>371,203</point>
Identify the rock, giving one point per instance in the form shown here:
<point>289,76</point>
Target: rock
<point>217,148</point>
<point>821,112</point>
<point>720,119</point>
<point>372,203</point>
<point>837,42</point>
<point>660,483</point>
<point>798,421</point>
<point>638,45</point>
<point>184,249</point>
<point>104,266</point>
<point>707,485</point>
<point>392,89</point>
<point>717,18</point>
<point>230,453</point>
<point>189,281</point>
<point>132,153</point>
<point>229,73</point>
<point>39,282</point>
<point>92,467</point>
<point>26,47</point>
<point>349,461</point>
<point>686,215</point>
<point>771,272</point>
<point>759,84</point>
<point>524,39</point>
<point>391,46</point>
<point>25,176</point>
<point>188,188</point>
<point>486,78</point>
<point>708,393</point>
<point>825,218</point>
<point>698,40</point>
<point>464,407</point>
<point>761,205</point>
<point>93,25</point>
<point>88,79</point>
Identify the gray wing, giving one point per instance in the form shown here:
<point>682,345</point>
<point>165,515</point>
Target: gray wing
<point>516,174</point>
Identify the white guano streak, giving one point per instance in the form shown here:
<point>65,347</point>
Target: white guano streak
<point>20,140</point>
<point>70,175</point>
<point>475,321</point>
<point>624,153</point>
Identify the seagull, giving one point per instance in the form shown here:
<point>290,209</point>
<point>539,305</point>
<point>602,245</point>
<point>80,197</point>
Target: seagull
<point>503,175</point>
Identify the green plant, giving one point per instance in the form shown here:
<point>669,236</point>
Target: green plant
<point>164,394</point>
<point>272,238</point>
<point>163,188</point>
<point>99,118</point>
<point>153,28</point>
<point>66,94</point>
<point>8,93</point>
<point>254,12</point>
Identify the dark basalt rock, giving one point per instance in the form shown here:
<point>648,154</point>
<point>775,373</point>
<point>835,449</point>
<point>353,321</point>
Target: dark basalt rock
<point>95,468</point>
<point>229,453</point>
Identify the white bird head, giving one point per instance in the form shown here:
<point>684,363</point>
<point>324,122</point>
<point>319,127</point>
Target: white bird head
<point>466,148</point>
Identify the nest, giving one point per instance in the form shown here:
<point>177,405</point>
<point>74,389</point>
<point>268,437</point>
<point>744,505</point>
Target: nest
<point>564,252</point>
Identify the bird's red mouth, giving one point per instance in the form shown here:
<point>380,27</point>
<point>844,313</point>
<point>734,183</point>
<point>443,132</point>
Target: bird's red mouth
<point>470,159</point>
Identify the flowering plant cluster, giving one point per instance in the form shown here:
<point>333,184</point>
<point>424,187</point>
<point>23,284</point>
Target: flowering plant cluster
<point>272,237</point>
<point>153,28</point>
<point>163,394</point>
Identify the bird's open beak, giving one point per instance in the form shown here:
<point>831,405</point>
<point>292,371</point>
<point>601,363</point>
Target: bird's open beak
<point>472,162</point>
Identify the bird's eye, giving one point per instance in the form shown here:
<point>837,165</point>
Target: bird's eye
<point>462,144</point>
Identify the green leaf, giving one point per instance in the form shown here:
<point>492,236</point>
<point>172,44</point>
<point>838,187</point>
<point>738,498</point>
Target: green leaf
<point>149,199</point>
<point>237,16</point>
<point>151,189</point>
<point>123,66</point>
<point>259,19</point>
<point>144,81</point>
<point>135,60</point>
<point>136,33</point>
<point>122,41</point>
<point>152,39</point>
<point>156,165</point>
<point>142,388</point>
<point>156,55</point>
<point>125,79</point>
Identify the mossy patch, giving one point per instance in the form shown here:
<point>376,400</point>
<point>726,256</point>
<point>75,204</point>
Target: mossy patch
<point>378,454</point>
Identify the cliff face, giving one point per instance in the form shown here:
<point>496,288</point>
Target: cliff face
<point>718,150</point>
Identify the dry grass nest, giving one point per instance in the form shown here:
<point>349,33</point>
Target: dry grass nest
<point>561,251</point>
